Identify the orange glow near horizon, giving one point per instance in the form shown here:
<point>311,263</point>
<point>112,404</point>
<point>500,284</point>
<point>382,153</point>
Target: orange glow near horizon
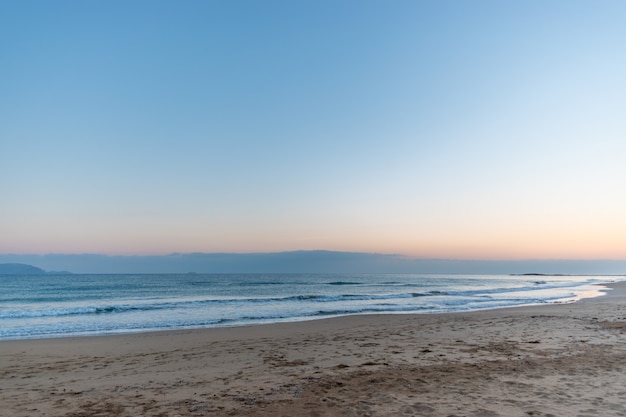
<point>506,246</point>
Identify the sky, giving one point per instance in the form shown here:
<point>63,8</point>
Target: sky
<point>433,129</point>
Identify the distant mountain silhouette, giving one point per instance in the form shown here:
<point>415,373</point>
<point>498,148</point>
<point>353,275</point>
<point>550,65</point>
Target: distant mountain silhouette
<point>307,261</point>
<point>20,269</point>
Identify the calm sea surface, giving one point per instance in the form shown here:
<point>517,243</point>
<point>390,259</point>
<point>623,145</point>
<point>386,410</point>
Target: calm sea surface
<point>72,305</point>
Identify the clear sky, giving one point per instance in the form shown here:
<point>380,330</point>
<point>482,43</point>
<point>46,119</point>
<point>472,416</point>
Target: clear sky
<point>448,129</point>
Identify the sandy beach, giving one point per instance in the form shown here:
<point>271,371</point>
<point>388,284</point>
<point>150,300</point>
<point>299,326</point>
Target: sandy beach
<point>548,360</point>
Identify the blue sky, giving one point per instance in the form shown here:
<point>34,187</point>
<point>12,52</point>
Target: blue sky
<point>455,129</point>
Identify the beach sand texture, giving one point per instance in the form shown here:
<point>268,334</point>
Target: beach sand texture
<point>549,360</point>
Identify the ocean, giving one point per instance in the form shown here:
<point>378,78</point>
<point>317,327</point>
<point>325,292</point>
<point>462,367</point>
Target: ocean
<point>45,306</point>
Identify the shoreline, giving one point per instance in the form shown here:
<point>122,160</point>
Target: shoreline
<point>305,319</point>
<point>549,359</point>
<point>250,328</point>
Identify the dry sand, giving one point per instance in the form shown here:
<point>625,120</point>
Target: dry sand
<point>557,360</point>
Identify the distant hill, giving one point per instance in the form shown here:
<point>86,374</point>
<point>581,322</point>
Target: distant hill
<point>305,261</point>
<point>20,269</point>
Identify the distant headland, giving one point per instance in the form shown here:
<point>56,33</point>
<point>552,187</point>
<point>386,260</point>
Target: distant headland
<point>24,269</point>
<point>302,261</point>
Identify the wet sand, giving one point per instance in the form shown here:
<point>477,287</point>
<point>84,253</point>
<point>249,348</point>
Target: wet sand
<point>549,360</point>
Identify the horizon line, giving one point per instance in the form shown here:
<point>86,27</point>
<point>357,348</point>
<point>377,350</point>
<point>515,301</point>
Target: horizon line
<point>330,251</point>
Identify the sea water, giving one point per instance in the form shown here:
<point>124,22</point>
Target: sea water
<point>74,305</point>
